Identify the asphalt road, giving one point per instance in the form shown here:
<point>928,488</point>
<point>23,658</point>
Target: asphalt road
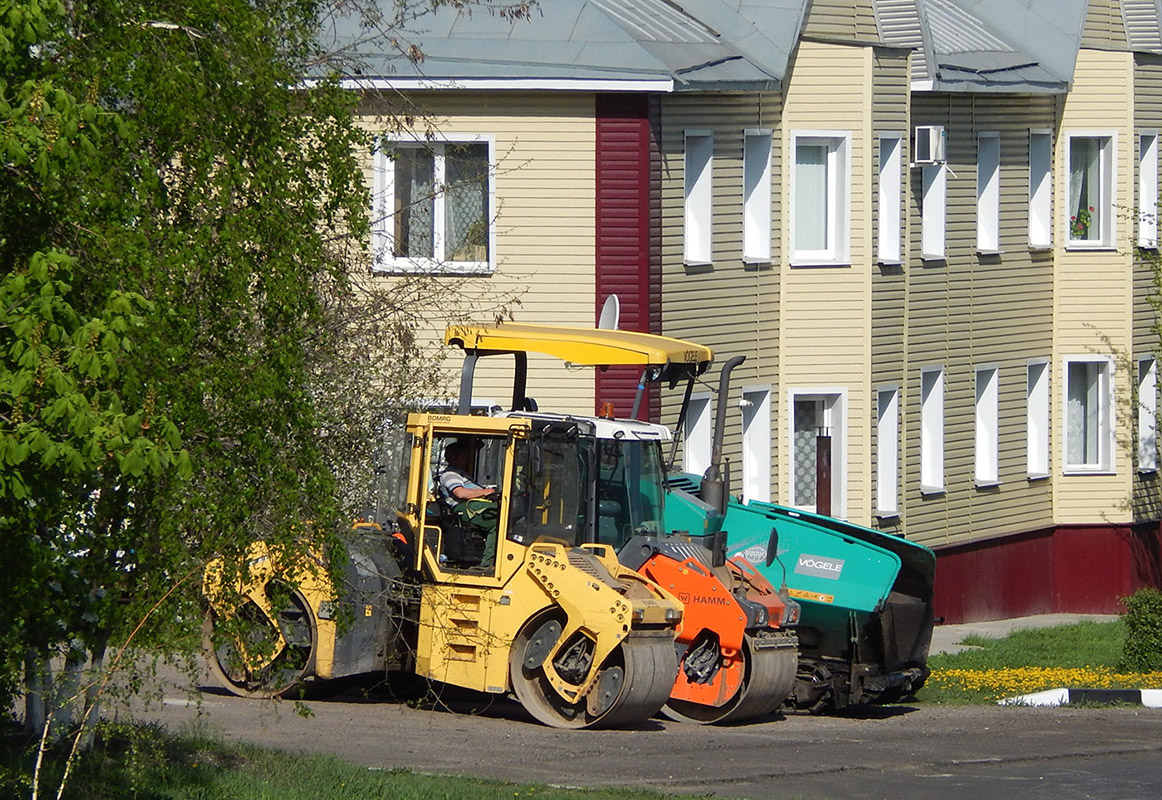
<point>930,752</point>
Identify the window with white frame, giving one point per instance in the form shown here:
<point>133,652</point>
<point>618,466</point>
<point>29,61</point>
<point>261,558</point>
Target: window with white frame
<point>988,192</point>
<point>817,416</point>
<point>820,202</point>
<point>756,202</point>
<point>1090,196</point>
<point>1089,432</point>
<point>987,426</point>
<point>932,429</point>
<point>887,451</point>
<point>891,196</point>
<point>1147,414</point>
<point>1037,418</point>
<point>433,206</point>
<point>756,443</point>
<point>933,191</point>
<point>1040,188</point>
<point>1148,189</point>
<point>699,198</point>
<point>697,441</point>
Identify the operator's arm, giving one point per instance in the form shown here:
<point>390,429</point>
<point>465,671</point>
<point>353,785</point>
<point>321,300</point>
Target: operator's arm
<point>466,493</point>
<point>460,487</point>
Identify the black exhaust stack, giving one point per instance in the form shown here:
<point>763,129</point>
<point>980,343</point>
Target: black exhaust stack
<point>716,483</point>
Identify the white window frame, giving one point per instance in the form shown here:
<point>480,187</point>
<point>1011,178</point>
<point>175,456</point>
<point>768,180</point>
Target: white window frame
<point>756,188</point>
<point>988,192</point>
<point>932,430</point>
<point>756,443</point>
<point>1037,429</point>
<point>698,193</point>
<point>834,419</point>
<point>697,434</point>
<point>837,250</point>
<point>891,195</point>
<point>988,425</point>
<point>1148,190</point>
<point>888,451</point>
<point>1103,416</point>
<point>933,202</point>
<point>1040,188</point>
<point>383,205</point>
<point>1107,190</point>
<point>1147,414</point>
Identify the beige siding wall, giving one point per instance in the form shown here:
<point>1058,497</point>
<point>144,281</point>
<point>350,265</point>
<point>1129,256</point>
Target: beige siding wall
<point>978,310</point>
<point>826,311</point>
<point>729,305</point>
<point>545,204</point>
<point>1093,292</point>
<point>1147,117</point>
<point>890,116</point>
<point>844,20</point>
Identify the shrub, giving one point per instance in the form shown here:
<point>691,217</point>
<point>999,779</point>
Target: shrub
<point>1143,648</point>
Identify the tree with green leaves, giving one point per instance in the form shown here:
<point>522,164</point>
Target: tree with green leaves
<point>187,356</point>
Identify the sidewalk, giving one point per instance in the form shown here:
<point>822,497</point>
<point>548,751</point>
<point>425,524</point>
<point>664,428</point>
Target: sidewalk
<point>947,638</point>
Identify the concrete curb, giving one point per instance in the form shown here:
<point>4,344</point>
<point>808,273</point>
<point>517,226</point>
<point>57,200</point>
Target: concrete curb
<point>1149,698</point>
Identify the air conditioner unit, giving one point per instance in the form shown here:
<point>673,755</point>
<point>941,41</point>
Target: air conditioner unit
<point>928,146</point>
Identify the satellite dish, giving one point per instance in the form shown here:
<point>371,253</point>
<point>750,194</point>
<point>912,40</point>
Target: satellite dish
<point>610,314</point>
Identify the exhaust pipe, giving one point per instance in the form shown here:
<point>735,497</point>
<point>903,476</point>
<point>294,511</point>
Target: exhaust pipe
<point>714,488</point>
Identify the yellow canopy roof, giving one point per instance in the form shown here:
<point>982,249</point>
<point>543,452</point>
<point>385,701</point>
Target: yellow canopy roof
<point>585,346</point>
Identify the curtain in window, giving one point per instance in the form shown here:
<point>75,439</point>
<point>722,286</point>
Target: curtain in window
<point>811,196</point>
<point>466,202</point>
<point>1084,189</point>
<point>414,202</point>
<point>1081,414</point>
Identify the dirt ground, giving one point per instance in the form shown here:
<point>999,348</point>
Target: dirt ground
<point>896,752</point>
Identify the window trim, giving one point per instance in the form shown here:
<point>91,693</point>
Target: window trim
<point>838,249</point>
<point>697,439</point>
<point>1147,415</point>
<point>988,192</point>
<point>933,212</point>
<point>756,196</point>
<point>888,451</point>
<point>756,443</point>
<point>932,480</point>
<point>698,197</point>
<point>1040,188</point>
<point>835,413</point>
<point>1038,431</point>
<point>987,440</point>
<point>1108,191</point>
<point>889,236</point>
<point>1105,439</point>
<point>1148,189</point>
<point>383,195</point>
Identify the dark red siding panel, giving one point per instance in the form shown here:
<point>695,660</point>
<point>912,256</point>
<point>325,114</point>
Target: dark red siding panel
<point>1064,570</point>
<point>628,257</point>
<point>985,581</point>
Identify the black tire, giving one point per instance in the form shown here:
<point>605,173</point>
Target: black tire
<point>273,669</point>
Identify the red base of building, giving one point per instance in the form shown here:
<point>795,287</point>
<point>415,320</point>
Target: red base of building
<point>1082,569</point>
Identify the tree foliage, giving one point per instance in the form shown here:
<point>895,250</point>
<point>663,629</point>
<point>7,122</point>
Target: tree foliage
<point>188,356</point>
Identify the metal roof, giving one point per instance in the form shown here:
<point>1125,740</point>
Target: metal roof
<point>1004,45</point>
<point>671,44</point>
<point>987,45</point>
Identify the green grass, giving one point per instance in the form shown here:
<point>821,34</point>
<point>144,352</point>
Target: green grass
<point>147,763</point>
<point>1080,646</point>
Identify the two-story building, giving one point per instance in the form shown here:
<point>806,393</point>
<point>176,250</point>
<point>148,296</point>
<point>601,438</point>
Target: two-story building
<point>918,219</point>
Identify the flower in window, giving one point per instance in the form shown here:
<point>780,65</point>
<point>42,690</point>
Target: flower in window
<point>1079,224</point>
